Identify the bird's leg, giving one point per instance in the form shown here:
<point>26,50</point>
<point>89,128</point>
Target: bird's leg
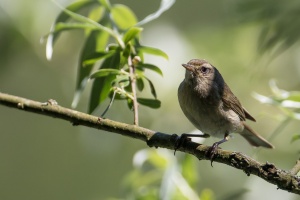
<point>183,138</point>
<point>213,149</point>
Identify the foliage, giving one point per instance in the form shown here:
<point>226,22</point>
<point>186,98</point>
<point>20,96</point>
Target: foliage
<point>279,22</point>
<point>157,174</point>
<point>288,102</point>
<point>112,36</point>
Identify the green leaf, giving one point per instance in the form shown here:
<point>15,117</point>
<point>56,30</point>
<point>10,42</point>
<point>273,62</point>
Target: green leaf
<point>129,103</point>
<point>152,88</point>
<point>140,84</point>
<point>164,6</point>
<point>102,85</point>
<point>106,72</point>
<point>96,40</point>
<point>122,81</point>
<point>95,56</point>
<point>189,171</point>
<point>123,16</point>
<point>63,17</point>
<point>97,13</point>
<point>154,68</point>
<point>152,103</point>
<point>294,96</point>
<point>131,33</point>
<point>295,137</point>
<point>153,51</point>
<point>61,26</point>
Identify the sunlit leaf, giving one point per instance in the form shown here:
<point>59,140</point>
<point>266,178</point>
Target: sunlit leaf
<point>123,16</point>
<point>152,103</point>
<point>83,19</point>
<point>294,96</point>
<point>153,51</point>
<point>164,6</point>
<point>63,17</point>
<point>264,99</point>
<point>97,13</point>
<point>276,91</point>
<point>151,67</point>
<point>295,137</point>
<point>131,33</point>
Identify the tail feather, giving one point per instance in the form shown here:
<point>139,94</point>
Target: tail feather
<point>254,138</point>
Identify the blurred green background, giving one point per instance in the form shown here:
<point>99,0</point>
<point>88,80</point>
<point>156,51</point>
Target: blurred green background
<point>46,158</point>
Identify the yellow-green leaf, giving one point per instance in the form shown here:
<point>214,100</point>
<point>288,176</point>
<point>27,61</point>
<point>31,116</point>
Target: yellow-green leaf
<point>123,16</point>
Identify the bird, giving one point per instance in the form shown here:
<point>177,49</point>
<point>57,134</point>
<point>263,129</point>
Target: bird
<point>209,104</point>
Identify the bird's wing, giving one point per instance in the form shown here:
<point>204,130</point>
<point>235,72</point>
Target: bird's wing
<point>232,102</point>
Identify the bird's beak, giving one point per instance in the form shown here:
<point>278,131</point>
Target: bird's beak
<point>188,67</point>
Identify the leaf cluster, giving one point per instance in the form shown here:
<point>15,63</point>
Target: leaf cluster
<point>112,45</point>
<point>280,22</point>
<point>287,101</point>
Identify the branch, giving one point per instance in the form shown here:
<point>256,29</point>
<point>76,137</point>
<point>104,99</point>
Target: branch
<point>285,180</point>
<point>133,88</point>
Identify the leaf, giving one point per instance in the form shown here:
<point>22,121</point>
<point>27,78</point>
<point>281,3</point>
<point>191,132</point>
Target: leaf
<point>63,17</point>
<point>94,57</point>
<point>164,6</point>
<point>154,68</point>
<point>123,16</point>
<point>189,171</point>
<point>61,26</point>
<point>97,13</point>
<point>106,72</point>
<point>152,88</point>
<point>121,81</point>
<point>153,51</point>
<point>294,96</point>
<point>131,33</point>
<point>152,103</point>
<point>129,103</point>
<point>140,84</point>
<point>295,137</point>
<point>96,40</point>
<point>101,86</point>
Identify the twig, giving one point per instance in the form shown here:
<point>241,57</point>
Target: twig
<point>296,168</point>
<point>110,104</point>
<point>284,180</point>
<point>133,88</point>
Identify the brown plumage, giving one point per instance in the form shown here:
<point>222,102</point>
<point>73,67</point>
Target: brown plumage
<point>210,105</point>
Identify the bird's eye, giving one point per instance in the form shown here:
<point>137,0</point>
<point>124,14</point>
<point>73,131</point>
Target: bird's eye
<point>204,70</point>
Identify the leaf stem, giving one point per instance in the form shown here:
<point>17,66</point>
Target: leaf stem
<point>133,87</point>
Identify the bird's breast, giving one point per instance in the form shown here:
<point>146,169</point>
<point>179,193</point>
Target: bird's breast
<point>206,114</point>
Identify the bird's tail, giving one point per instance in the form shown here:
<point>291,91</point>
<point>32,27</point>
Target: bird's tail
<point>254,138</point>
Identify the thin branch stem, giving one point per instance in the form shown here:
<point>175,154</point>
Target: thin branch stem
<point>296,168</point>
<point>133,88</point>
<point>283,179</point>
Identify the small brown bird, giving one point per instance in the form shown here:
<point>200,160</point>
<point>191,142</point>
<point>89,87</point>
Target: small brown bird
<point>208,103</point>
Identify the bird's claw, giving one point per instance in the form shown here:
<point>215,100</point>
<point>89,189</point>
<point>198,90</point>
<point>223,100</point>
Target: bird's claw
<point>212,151</point>
<point>180,141</point>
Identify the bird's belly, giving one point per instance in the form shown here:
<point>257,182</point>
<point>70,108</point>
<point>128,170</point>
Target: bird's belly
<point>213,120</point>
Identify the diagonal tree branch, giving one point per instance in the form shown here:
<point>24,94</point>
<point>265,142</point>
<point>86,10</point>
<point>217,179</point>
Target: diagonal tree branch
<point>285,180</point>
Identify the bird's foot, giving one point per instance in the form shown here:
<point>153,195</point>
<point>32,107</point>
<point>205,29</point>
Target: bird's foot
<point>183,138</point>
<point>212,151</point>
